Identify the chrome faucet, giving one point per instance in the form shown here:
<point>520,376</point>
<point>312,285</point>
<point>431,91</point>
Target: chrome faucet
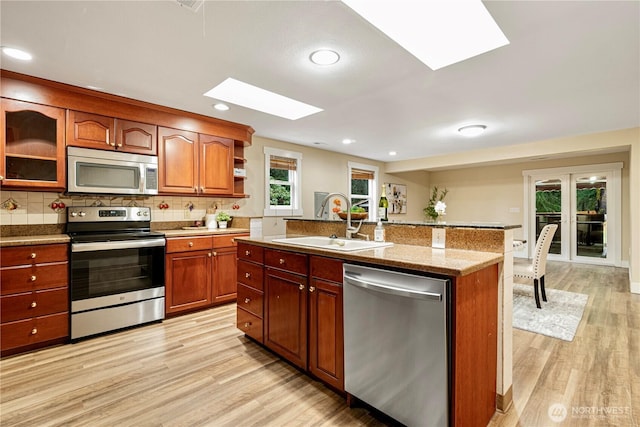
<point>351,230</point>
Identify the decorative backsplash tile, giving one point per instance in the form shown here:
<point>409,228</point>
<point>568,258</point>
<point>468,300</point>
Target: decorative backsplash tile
<point>35,207</point>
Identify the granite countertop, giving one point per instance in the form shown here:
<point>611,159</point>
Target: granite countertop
<point>458,224</point>
<point>43,239</point>
<point>449,262</point>
<point>202,232</point>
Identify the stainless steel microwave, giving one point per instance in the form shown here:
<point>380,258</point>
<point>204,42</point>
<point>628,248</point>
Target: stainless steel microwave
<point>108,172</point>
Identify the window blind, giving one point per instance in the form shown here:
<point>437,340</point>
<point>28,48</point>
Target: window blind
<point>283,163</point>
<point>361,174</point>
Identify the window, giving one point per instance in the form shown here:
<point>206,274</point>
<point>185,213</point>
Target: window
<point>282,173</point>
<point>363,185</point>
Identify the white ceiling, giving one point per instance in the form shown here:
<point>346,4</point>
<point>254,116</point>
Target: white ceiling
<point>571,68</point>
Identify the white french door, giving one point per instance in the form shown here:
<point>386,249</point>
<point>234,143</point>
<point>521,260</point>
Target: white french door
<point>584,201</point>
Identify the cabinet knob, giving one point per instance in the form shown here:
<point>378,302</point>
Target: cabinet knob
<point>247,275</point>
<point>246,325</point>
<point>247,300</point>
<point>247,253</point>
<point>233,240</point>
<point>190,244</point>
<point>281,261</point>
<point>202,189</point>
<point>195,189</point>
<point>34,331</point>
<point>209,254</point>
<point>301,287</point>
<point>215,254</point>
<point>1,178</point>
<point>119,145</point>
<point>33,255</point>
<point>34,304</point>
<point>312,288</point>
<point>33,278</point>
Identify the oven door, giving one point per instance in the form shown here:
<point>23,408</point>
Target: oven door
<point>116,272</point>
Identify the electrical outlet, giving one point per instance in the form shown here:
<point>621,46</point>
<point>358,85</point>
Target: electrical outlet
<point>437,237</point>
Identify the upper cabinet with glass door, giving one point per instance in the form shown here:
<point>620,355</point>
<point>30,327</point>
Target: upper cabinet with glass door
<point>32,149</point>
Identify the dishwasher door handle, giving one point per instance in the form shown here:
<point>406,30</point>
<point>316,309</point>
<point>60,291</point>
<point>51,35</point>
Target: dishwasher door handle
<point>392,290</point>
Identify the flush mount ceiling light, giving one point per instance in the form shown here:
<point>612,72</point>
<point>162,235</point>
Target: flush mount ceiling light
<point>249,96</point>
<point>324,57</point>
<point>221,107</point>
<point>472,130</point>
<point>438,33</point>
<point>16,53</point>
<point>392,153</point>
<point>348,141</point>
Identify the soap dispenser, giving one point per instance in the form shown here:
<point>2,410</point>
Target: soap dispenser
<point>378,233</point>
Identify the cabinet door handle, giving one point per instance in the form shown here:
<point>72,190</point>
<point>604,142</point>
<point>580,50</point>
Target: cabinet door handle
<point>301,287</point>
<point>247,275</point>
<point>34,304</point>
<point>311,288</point>
<point>247,253</point>
<point>202,189</point>
<point>190,244</point>
<point>34,331</point>
<point>120,145</point>
<point>33,255</point>
<point>247,300</point>
<point>215,254</point>
<point>33,278</point>
<point>209,254</point>
<point>281,261</point>
<point>195,189</point>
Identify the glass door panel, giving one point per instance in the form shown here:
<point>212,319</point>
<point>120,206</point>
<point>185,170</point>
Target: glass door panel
<point>590,215</point>
<point>549,204</point>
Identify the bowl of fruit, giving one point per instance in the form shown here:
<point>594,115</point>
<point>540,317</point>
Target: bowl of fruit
<point>357,212</point>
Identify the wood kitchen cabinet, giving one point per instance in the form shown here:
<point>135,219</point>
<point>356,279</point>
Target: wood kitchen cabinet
<point>192,163</point>
<point>32,151</point>
<point>285,329</point>
<point>107,133</point>
<point>34,297</point>
<point>326,325</point>
<point>200,272</point>
<point>251,290</point>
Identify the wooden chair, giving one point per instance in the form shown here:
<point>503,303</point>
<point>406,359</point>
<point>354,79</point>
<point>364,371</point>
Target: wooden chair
<point>536,268</point>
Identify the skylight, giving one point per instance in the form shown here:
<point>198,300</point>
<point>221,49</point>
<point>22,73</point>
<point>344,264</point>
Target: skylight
<point>249,96</point>
<point>438,33</point>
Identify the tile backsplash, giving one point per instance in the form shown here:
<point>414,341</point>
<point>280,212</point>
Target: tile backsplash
<point>34,207</point>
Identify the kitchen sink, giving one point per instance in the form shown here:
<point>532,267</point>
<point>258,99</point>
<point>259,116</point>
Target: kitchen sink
<point>334,244</point>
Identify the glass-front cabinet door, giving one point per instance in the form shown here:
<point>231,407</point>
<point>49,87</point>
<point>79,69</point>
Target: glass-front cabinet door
<point>32,146</point>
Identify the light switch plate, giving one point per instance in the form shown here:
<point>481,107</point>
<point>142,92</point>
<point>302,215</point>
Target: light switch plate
<point>437,238</point>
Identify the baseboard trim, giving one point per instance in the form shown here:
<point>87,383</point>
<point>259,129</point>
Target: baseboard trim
<point>504,401</point>
<point>634,287</point>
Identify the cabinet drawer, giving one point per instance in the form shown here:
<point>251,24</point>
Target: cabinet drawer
<point>250,324</point>
<point>326,268</point>
<point>250,274</point>
<point>183,244</point>
<point>31,278</point>
<point>250,299</point>
<point>33,304</point>
<point>288,261</point>
<point>32,331</point>
<point>250,252</point>
<point>35,254</point>
<point>226,241</point>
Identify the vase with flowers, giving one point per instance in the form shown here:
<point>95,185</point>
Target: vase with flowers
<point>436,207</point>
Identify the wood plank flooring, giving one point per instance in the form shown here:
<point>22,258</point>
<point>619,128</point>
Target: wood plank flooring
<point>199,370</point>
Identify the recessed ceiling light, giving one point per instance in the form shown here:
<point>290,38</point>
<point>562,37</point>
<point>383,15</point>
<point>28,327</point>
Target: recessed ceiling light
<point>472,130</point>
<point>392,153</point>
<point>249,96</point>
<point>438,33</point>
<point>348,141</point>
<point>324,57</point>
<point>221,107</point>
<point>17,53</point>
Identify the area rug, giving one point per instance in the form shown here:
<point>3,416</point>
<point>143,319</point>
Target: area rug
<point>559,317</point>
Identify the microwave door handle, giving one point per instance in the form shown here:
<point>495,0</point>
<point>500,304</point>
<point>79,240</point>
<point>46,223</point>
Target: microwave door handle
<point>142,178</point>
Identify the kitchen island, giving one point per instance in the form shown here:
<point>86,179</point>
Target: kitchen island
<point>290,300</point>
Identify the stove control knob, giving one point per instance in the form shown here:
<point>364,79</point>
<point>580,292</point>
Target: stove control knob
<point>138,213</point>
<point>74,214</point>
<point>82,214</point>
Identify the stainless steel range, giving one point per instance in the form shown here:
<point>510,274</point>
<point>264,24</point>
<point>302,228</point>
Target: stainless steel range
<point>117,269</point>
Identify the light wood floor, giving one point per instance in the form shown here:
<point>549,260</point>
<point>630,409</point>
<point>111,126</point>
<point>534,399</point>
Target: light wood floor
<point>199,370</point>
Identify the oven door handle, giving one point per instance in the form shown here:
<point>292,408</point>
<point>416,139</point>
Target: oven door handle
<point>120,244</point>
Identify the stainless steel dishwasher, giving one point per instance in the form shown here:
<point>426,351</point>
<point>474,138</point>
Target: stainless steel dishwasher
<point>396,350</point>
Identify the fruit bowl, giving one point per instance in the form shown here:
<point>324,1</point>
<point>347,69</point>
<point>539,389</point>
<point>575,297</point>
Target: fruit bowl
<point>354,215</point>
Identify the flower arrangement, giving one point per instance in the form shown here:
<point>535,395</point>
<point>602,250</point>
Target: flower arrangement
<point>436,206</point>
